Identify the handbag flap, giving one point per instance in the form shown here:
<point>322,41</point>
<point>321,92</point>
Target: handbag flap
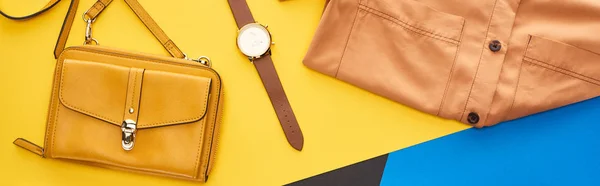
<point>99,90</point>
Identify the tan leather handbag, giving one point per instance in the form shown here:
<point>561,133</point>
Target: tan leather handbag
<point>131,111</point>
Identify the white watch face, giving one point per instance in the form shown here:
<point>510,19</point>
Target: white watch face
<point>254,40</point>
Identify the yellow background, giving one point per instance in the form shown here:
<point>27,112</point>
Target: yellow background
<point>342,124</point>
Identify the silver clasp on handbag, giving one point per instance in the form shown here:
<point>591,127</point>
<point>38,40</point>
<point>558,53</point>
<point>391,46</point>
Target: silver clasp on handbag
<point>88,31</point>
<point>202,60</point>
<point>128,134</point>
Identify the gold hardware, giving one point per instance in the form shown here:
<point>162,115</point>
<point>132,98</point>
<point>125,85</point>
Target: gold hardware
<point>128,129</point>
<point>88,32</point>
<point>204,60</point>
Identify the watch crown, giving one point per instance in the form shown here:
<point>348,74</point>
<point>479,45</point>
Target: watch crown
<point>273,43</point>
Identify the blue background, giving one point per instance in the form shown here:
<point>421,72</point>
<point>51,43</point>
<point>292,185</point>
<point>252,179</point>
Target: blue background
<point>557,147</point>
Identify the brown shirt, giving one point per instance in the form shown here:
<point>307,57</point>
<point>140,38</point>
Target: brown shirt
<point>476,61</point>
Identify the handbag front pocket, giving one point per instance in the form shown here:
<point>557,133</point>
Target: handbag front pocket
<point>554,74</point>
<point>93,103</point>
<point>402,50</point>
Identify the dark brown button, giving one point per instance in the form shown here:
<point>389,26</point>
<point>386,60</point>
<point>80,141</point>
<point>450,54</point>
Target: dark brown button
<point>495,46</point>
<point>473,118</point>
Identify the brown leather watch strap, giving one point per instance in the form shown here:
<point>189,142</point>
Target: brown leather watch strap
<point>241,12</point>
<point>283,109</point>
<point>270,79</point>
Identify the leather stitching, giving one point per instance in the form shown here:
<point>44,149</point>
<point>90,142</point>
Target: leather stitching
<point>29,146</point>
<point>100,162</point>
<point>170,43</point>
<point>99,6</point>
<point>127,94</point>
<point>134,85</point>
<point>102,2</point>
<point>154,61</point>
<point>149,60</point>
<point>218,86</point>
<point>199,149</point>
<point>115,122</point>
<point>54,128</point>
<point>218,80</point>
<point>183,120</point>
<point>202,130</point>
<point>172,48</point>
<point>53,103</point>
<point>215,137</point>
<point>95,10</point>
<point>407,25</point>
<point>62,80</point>
<point>174,122</point>
<point>156,31</point>
<point>95,7</point>
<point>215,105</point>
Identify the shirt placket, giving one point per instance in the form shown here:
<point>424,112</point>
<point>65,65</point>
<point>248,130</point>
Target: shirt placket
<point>490,63</point>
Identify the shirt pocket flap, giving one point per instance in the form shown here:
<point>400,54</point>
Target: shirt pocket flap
<point>99,90</point>
<point>563,56</point>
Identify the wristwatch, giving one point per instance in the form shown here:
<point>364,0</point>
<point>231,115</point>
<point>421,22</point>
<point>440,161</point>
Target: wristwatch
<point>254,41</point>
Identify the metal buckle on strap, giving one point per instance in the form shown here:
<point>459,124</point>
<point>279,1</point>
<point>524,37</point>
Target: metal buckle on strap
<point>204,60</point>
<point>128,129</point>
<point>88,31</point>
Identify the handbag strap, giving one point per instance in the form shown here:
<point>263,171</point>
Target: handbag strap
<point>90,16</point>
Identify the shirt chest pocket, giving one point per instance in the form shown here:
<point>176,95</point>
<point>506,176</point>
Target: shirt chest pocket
<point>402,50</point>
<point>554,74</point>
